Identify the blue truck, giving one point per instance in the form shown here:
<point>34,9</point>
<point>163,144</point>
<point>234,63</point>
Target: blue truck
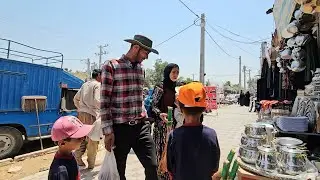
<point>20,78</point>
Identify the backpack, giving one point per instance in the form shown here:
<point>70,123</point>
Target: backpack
<point>147,103</point>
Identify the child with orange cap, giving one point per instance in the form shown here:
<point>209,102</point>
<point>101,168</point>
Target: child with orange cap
<point>193,150</point>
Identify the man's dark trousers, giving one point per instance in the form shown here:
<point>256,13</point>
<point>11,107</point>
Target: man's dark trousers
<point>137,137</point>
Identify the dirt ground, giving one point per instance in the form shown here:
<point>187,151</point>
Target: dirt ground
<point>33,165</point>
<point>29,166</point>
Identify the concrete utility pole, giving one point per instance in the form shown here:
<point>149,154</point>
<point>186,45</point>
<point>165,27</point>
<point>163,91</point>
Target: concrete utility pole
<point>88,68</point>
<point>94,65</point>
<point>249,74</point>
<point>239,74</point>
<point>101,52</point>
<point>244,77</point>
<point>202,47</point>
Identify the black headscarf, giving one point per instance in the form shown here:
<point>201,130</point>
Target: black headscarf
<point>167,82</point>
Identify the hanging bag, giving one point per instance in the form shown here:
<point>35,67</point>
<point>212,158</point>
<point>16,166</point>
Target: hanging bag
<point>109,169</point>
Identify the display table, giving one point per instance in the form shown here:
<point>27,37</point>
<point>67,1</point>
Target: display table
<point>246,175</point>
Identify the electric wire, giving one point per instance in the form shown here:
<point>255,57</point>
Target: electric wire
<point>219,45</point>
<point>181,31</point>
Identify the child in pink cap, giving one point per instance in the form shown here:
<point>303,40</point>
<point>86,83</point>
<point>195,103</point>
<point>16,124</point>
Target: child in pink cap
<point>67,132</point>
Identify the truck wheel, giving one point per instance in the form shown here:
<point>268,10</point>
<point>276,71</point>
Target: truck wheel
<point>10,141</point>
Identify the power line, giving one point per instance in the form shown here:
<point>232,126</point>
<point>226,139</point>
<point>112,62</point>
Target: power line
<point>177,33</point>
<point>232,43</point>
<point>219,45</point>
<point>234,33</point>
<point>252,41</point>
<point>74,59</point>
<point>189,9</point>
<point>244,42</point>
<point>245,51</point>
<point>221,75</point>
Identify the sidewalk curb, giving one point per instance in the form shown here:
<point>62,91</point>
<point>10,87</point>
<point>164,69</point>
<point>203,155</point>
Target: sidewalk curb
<point>35,154</point>
<point>5,162</point>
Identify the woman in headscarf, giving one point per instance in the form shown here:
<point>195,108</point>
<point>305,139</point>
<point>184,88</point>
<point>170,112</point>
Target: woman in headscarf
<point>164,96</point>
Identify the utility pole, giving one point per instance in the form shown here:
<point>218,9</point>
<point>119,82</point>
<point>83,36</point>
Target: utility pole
<point>239,74</point>
<point>249,74</point>
<point>101,52</point>
<point>193,77</point>
<point>202,44</point>
<point>88,68</point>
<point>94,65</point>
<point>244,77</point>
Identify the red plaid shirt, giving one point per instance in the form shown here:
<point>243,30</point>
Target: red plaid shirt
<point>121,93</point>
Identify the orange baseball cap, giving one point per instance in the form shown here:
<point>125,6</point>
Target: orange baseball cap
<point>192,95</point>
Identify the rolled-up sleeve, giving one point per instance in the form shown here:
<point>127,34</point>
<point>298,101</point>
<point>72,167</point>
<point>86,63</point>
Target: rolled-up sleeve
<point>105,95</point>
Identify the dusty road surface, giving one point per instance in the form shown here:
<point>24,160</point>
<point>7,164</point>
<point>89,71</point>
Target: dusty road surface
<point>228,122</point>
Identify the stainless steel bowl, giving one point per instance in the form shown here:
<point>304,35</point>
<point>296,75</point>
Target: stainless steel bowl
<point>267,159</point>
<point>292,160</point>
<point>252,143</point>
<point>255,130</point>
<point>259,130</point>
<point>281,142</point>
<point>248,155</point>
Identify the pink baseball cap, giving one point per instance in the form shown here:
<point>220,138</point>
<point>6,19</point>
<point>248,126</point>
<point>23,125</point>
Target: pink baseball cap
<point>69,127</point>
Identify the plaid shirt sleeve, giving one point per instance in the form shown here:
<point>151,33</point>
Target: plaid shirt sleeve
<point>105,102</point>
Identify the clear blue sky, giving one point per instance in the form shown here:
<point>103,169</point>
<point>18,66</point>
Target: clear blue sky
<point>76,28</point>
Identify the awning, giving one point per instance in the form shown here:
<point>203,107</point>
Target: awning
<point>282,13</point>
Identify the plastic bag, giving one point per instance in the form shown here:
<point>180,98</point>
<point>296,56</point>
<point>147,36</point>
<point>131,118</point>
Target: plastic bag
<point>96,132</point>
<point>109,169</point>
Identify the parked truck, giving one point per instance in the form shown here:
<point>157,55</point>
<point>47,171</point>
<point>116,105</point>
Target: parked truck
<point>20,80</point>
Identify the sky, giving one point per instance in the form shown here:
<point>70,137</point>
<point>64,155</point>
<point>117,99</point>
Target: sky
<point>76,28</point>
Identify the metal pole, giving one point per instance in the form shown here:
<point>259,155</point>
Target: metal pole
<point>100,56</point>
<point>39,129</point>
<point>202,46</point>
<point>239,74</point>
<point>8,53</point>
<point>88,68</point>
<point>244,78</point>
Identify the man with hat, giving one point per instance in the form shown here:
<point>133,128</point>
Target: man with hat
<point>123,120</point>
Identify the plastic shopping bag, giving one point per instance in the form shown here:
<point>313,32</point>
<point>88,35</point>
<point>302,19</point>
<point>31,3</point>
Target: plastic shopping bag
<point>109,169</point>
<point>96,132</point>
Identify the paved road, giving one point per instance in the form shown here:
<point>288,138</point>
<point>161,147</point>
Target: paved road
<point>227,121</point>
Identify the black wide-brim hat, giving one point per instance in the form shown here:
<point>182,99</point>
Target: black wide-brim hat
<point>142,41</point>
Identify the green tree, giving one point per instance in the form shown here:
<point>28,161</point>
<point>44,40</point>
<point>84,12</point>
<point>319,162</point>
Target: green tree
<point>148,82</point>
<point>188,80</point>
<point>155,75</point>
<point>227,84</point>
<point>158,67</point>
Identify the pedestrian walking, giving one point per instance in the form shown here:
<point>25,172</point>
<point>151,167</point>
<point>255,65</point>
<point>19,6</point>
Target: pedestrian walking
<point>67,132</point>
<point>164,96</point>
<point>87,101</point>
<point>123,119</point>
<point>193,150</point>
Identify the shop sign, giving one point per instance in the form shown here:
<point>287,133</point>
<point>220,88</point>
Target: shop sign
<point>211,99</point>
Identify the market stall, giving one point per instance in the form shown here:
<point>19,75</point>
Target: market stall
<point>284,143</point>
